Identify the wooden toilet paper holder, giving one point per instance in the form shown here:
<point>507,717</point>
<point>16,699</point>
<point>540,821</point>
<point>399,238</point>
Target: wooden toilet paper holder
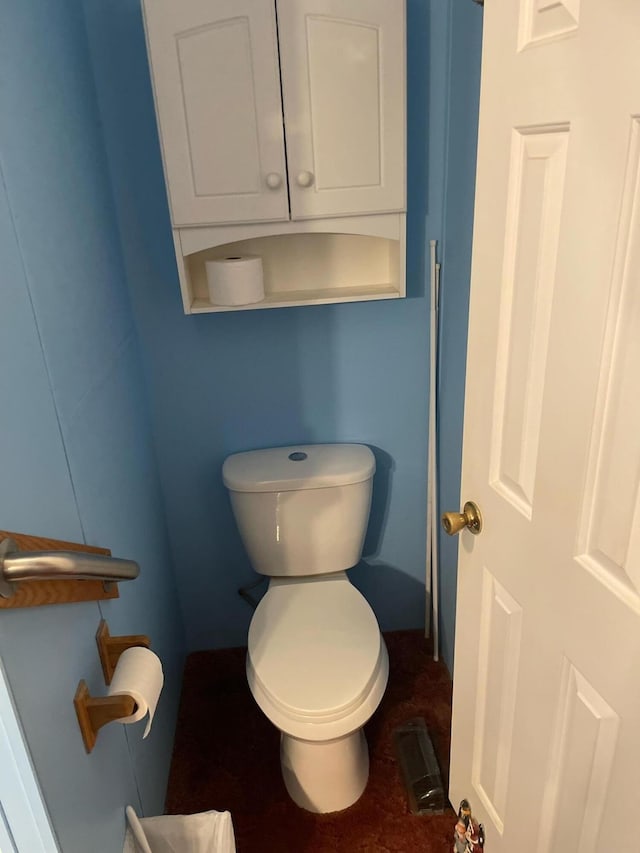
<point>94,712</point>
<point>110,648</point>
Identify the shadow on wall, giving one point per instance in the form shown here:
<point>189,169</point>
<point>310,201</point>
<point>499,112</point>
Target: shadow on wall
<point>423,187</point>
<point>388,589</point>
<point>379,503</point>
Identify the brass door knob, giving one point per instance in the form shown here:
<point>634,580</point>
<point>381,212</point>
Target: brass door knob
<point>470,517</point>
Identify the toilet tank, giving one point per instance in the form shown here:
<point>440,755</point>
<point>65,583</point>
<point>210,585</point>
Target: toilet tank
<point>302,510</point>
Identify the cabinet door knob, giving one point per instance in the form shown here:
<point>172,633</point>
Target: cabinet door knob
<point>305,179</point>
<point>274,180</point>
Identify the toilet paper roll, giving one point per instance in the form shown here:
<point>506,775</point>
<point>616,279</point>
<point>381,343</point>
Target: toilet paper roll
<point>138,674</point>
<point>235,280</point>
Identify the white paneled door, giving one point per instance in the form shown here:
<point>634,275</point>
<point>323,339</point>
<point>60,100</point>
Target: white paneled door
<point>217,92</point>
<point>342,85</point>
<point>546,718</point>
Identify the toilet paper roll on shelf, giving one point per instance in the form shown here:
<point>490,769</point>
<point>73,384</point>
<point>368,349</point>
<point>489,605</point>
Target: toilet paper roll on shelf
<point>138,674</point>
<point>235,280</point>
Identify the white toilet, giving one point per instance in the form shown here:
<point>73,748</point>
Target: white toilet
<point>317,664</point>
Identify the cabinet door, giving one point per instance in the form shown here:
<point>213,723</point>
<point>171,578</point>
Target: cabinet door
<point>343,84</point>
<point>214,65</point>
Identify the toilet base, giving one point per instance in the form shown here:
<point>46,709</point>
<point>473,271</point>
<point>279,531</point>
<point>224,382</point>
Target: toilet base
<point>325,776</point>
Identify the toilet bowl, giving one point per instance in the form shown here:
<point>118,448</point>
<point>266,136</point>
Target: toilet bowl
<point>320,690</point>
<point>317,665</point>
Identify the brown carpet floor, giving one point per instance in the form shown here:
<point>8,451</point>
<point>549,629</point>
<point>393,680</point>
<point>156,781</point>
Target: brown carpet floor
<point>226,756</point>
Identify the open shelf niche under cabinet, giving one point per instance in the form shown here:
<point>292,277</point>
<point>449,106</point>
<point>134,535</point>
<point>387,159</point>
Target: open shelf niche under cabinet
<point>312,262</point>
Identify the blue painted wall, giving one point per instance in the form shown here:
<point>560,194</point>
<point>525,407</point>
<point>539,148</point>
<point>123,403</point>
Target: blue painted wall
<point>462,131</point>
<point>229,382</point>
<point>75,450</point>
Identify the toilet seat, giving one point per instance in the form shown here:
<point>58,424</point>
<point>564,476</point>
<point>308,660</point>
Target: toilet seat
<point>316,657</point>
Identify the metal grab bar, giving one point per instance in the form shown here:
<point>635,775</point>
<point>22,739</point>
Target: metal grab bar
<point>18,566</point>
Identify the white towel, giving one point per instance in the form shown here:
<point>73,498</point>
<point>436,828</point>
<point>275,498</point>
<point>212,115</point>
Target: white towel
<point>207,832</point>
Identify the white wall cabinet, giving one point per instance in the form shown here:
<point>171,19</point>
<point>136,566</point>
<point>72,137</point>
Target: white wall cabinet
<point>281,111</point>
<point>342,65</point>
<point>217,91</point>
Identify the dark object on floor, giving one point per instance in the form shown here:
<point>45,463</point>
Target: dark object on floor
<point>226,756</point>
<point>419,767</point>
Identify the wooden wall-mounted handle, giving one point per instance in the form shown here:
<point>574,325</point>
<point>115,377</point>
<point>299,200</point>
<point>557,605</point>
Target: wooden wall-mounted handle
<point>95,712</point>
<point>110,648</point>
<point>38,593</point>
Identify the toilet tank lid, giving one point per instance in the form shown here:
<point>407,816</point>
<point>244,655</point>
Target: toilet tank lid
<point>306,466</point>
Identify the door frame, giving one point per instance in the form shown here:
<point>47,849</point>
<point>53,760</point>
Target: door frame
<point>23,811</point>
